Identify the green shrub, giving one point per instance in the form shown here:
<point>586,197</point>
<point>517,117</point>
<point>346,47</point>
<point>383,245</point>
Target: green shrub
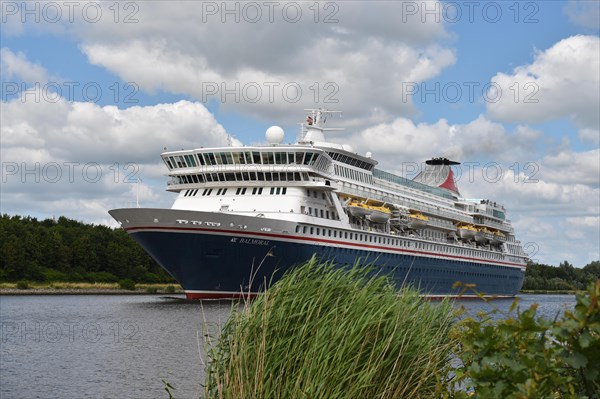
<point>322,332</point>
<point>151,290</point>
<point>529,356</point>
<point>23,285</point>
<point>54,275</point>
<point>101,277</point>
<point>170,289</point>
<point>127,284</point>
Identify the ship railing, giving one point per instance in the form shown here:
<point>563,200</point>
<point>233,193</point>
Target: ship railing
<point>496,225</point>
<point>443,224</point>
<point>427,208</point>
<point>434,210</point>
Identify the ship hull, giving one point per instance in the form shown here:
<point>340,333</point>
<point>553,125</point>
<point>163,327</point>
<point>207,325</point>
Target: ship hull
<point>220,255</point>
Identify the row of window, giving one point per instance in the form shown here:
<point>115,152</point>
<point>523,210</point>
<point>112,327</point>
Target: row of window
<point>369,238</point>
<point>315,193</point>
<point>240,191</point>
<point>240,176</point>
<point>336,156</point>
<point>353,174</point>
<point>319,213</point>
<point>392,178</point>
<point>240,158</point>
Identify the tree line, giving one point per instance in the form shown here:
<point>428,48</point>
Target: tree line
<point>564,277</point>
<point>68,250</point>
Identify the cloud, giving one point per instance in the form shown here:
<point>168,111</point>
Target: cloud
<point>17,67</point>
<point>369,53</point>
<point>570,167</point>
<point>590,135</point>
<point>77,130</point>
<point>82,159</point>
<point>584,13</point>
<point>562,82</point>
<point>481,138</point>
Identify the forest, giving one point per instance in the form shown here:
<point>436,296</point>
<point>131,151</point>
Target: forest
<point>67,250</point>
<point>70,251</point>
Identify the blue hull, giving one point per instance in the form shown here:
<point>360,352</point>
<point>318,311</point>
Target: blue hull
<point>209,265</point>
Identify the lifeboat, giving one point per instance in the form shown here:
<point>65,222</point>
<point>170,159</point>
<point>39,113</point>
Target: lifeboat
<point>466,231</point>
<point>379,214</point>
<point>483,235</point>
<point>416,220</point>
<point>497,237</point>
<point>376,214</point>
<point>358,209</point>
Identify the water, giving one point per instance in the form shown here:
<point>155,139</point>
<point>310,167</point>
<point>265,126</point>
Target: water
<point>123,346</point>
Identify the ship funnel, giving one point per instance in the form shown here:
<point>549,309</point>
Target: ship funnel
<point>438,173</point>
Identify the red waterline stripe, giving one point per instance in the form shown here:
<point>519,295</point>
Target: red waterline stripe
<point>317,240</point>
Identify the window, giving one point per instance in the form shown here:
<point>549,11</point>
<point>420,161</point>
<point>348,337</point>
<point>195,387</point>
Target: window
<point>280,158</point>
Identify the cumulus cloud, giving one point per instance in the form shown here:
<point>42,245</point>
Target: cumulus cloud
<point>78,130</point>
<point>480,138</point>
<point>584,13</point>
<point>203,53</point>
<point>82,159</point>
<point>16,66</point>
<point>562,81</point>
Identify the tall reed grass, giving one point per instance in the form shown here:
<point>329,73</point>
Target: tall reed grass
<point>325,332</point>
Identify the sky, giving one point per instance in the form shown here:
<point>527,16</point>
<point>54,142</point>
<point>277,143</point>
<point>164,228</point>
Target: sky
<point>93,92</point>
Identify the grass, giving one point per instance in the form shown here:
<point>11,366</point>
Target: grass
<point>323,332</point>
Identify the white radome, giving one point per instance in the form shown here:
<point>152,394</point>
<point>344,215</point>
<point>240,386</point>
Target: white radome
<point>274,135</point>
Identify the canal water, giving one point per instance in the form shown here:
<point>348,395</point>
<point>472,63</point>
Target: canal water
<point>124,346</point>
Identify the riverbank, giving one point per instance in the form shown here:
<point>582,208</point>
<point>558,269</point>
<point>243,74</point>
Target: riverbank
<point>87,289</point>
<point>549,292</point>
<point>140,289</point>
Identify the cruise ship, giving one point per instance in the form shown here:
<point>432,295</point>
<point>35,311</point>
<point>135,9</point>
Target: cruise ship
<point>245,215</point>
